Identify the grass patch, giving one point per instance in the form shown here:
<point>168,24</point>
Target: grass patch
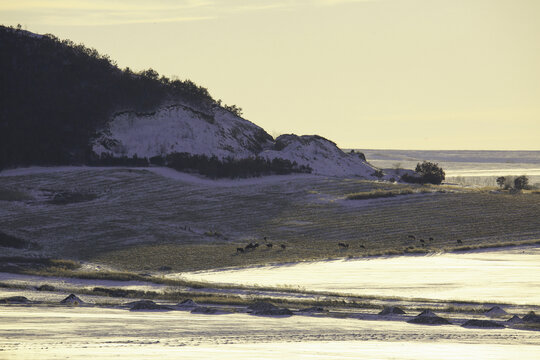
<point>71,197</point>
<point>37,266</point>
<point>375,194</point>
<point>300,213</point>
<point>498,245</point>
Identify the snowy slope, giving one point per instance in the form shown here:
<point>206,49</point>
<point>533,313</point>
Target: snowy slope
<point>322,155</point>
<point>180,128</point>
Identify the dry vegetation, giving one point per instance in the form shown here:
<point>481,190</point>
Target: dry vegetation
<point>140,221</point>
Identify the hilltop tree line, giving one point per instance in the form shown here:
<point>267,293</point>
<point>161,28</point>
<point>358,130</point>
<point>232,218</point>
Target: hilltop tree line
<point>55,96</point>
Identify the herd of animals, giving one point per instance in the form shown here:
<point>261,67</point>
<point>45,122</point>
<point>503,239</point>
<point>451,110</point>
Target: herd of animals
<point>252,246</point>
<point>343,246</point>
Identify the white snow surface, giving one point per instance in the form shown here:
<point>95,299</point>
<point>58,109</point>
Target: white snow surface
<point>217,132</point>
<point>180,128</point>
<point>322,155</point>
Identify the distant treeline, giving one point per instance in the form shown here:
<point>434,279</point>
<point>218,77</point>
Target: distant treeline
<point>55,95</point>
<point>210,166</point>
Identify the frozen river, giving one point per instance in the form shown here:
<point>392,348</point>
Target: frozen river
<point>511,275</point>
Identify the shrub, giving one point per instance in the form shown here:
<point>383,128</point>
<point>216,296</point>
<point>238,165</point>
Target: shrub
<point>521,182</point>
<point>501,180</point>
<point>214,167</point>
<point>430,173</point>
<point>378,173</point>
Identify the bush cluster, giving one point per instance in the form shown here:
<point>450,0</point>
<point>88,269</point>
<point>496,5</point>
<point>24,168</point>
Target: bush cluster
<point>210,166</point>
<point>516,183</point>
<point>426,173</point>
<point>214,167</point>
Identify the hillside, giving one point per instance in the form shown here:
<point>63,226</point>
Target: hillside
<point>63,103</point>
<point>153,217</point>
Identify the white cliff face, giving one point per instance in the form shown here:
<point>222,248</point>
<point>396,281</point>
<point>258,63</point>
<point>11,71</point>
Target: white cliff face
<point>179,128</point>
<point>322,155</point>
<point>217,132</point>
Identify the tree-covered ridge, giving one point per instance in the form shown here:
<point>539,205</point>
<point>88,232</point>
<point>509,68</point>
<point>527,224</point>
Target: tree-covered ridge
<point>56,94</point>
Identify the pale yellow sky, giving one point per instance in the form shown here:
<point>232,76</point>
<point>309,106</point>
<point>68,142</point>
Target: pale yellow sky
<point>397,74</point>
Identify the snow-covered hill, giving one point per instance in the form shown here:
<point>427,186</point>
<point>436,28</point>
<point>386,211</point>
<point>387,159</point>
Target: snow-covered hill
<point>181,128</point>
<point>322,155</point>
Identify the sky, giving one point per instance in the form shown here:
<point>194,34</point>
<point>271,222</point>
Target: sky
<point>379,74</point>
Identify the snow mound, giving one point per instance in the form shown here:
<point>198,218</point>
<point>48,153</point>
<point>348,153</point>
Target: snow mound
<point>264,308</point>
<point>428,317</point>
<point>15,300</point>
<point>514,320</point>
<point>531,317</point>
<point>72,299</point>
<point>392,310</point>
<point>142,305</point>
<point>181,128</point>
<point>320,154</point>
<point>187,304</point>
<point>496,311</point>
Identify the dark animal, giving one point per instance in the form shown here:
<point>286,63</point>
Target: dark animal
<point>250,246</point>
<point>256,245</point>
<point>239,250</point>
<point>264,238</point>
<point>283,246</point>
<point>422,241</point>
<point>430,239</point>
<point>343,245</point>
<point>412,237</point>
<point>460,242</point>
<point>362,246</point>
<point>269,245</point>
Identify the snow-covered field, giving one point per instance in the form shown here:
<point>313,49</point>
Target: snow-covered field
<point>89,332</point>
<point>506,276</point>
<point>150,206</point>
